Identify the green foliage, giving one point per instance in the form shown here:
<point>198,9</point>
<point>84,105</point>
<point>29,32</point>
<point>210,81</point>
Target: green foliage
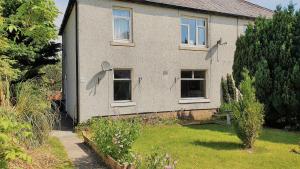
<point>226,96</point>
<point>12,133</point>
<point>270,51</point>
<point>7,73</point>
<point>28,27</point>
<point>229,89</point>
<point>248,116</point>
<point>52,76</point>
<point>115,137</point>
<point>33,107</point>
<point>157,159</point>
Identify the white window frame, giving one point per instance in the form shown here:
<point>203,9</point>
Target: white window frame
<point>122,79</point>
<point>197,31</point>
<point>194,79</point>
<point>127,18</point>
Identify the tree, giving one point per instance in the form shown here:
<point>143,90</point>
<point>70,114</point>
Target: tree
<point>270,51</point>
<point>229,89</point>
<point>7,72</point>
<point>30,31</point>
<point>248,112</point>
<point>226,96</point>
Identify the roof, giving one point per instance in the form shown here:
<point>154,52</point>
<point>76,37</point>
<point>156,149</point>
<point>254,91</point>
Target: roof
<point>236,8</point>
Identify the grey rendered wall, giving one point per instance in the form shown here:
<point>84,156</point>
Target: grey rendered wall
<point>156,37</point>
<point>69,52</point>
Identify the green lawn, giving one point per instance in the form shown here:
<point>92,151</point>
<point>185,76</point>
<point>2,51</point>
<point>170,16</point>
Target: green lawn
<point>217,147</point>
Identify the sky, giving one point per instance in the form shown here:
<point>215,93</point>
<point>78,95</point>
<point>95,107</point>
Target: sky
<point>271,4</point>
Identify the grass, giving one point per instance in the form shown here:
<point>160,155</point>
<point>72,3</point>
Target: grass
<point>50,155</point>
<point>59,152</point>
<point>216,147</point>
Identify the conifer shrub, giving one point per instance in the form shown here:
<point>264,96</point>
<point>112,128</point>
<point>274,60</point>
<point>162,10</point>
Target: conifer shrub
<point>226,96</point>
<point>231,87</point>
<point>248,113</point>
<point>270,51</point>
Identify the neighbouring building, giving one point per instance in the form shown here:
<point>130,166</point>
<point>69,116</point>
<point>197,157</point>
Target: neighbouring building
<point>125,57</point>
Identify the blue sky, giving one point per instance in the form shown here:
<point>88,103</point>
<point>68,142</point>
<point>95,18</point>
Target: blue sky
<point>271,4</point>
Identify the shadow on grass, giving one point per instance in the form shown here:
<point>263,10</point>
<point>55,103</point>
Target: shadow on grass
<point>218,145</point>
<point>270,135</point>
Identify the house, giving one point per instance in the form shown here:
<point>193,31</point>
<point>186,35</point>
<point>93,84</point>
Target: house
<point>125,57</point>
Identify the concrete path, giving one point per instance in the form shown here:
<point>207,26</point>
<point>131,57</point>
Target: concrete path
<point>79,153</point>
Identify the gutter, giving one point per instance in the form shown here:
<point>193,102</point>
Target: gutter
<point>67,15</point>
<point>145,2</point>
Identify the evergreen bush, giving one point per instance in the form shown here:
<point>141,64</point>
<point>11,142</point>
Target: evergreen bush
<point>226,96</point>
<point>270,51</point>
<point>248,116</point>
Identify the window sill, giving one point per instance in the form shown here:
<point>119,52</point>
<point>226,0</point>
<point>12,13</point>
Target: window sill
<point>128,44</point>
<point>193,48</point>
<point>123,104</point>
<point>196,100</point>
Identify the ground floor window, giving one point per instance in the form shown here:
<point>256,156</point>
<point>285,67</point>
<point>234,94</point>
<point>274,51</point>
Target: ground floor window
<point>193,84</point>
<point>122,85</point>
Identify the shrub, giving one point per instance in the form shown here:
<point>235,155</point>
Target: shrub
<point>33,107</point>
<point>270,51</point>
<point>158,160</point>
<point>226,96</point>
<point>115,137</point>
<point>229,89</point>
<point>248,115</point>
<point>52,76</point>
<point>12,133</point>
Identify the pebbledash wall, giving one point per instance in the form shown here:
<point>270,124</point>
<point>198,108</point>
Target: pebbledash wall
<point>155,57</point>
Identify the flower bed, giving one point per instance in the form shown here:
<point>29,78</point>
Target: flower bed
<point>109,161</point>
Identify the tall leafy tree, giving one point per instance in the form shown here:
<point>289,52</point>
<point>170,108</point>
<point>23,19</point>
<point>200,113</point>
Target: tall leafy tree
<point>30,30</point>
<point>270,51</point>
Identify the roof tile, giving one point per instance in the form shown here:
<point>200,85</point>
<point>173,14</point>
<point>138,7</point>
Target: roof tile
<point>232,7</point>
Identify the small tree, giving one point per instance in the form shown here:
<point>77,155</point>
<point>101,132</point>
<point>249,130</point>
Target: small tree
<point>226,96</point>
<point>231,87</point>
<point>248,113</point>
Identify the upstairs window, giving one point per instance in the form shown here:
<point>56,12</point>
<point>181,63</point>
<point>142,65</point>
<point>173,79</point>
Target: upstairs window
<point>122,85</point>
<point>194,31</point>
<point>193,84</point>
<point>122,25</point>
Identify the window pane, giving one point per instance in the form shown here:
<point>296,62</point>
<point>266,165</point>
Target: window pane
<point>201,36</point>
<point>122,90</point>
<point>244,29</point>
<point>184,21</point>
<point>202,88</point>
<point>192,23</point>
<point>122,74</point>
<point>122,29</point>
<point>191,88</point>
<point>201,22</point>
<point>199,74</point>
<point>186,74</point>
<point>122,13</point>
<point>184,34</point>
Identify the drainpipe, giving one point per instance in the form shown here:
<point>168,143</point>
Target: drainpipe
<point>77,120</point>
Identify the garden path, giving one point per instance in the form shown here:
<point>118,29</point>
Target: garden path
<point>78,152</point>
